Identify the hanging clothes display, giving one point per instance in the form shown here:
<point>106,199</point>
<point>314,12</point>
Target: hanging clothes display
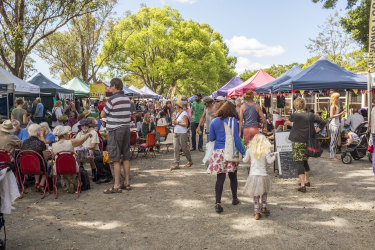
<point>267,101</point>
<point>280,100</point>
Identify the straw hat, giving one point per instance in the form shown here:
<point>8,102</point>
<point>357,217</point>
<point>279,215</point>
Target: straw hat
<point>7,127</point>
<point>207,99</point>
<point>86,112</point>
<point>180,103</point>
<point>63,118</point>
<point>61,130</point>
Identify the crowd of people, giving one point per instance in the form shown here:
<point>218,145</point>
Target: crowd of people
<point>239,122</point>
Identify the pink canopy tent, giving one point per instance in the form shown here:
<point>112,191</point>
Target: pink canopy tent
<point>259,79</point>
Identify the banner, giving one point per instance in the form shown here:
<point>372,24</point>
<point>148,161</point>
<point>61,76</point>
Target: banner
<point>173,92</point>
<point>371,38</point>
<point>97,90</point>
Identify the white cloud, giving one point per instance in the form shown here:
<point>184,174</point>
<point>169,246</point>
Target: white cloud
<point>245,64</point>
<point>251,46</point>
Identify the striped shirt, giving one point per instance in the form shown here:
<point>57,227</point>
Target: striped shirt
<point>118,112</point>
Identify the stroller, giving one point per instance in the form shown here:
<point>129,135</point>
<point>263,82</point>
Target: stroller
<point>358,150</point>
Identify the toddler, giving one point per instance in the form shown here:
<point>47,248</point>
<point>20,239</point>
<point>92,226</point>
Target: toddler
<point>258,182</point>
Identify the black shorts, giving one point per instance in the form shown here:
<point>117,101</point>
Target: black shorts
<point>119,144</point>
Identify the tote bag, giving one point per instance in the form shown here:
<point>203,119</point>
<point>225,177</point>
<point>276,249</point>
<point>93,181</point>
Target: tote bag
<point>313,148</point>
<point>231,153</point>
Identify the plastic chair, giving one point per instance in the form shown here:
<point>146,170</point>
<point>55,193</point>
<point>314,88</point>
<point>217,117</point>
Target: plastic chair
<point>133,141</point>
<point>28,162</point>
<point>66,163</point>
<point>4,157</point>
<point>148,145</point>
<point>168,142</point>
<point>162,130</point>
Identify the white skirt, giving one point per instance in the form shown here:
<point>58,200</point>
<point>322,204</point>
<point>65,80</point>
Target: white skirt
<point>257,185</point>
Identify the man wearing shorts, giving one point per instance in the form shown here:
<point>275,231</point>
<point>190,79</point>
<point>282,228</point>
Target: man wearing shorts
<point>117,112</point>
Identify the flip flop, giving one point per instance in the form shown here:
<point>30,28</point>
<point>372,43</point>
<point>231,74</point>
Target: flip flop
<point>188,165</point>
<point>126,187</point>
<point>113,190</point>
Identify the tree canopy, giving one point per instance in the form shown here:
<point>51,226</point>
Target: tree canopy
<point>162,49</point>
<point>73,52</point>
<point>328,4</point>
<point>26,23</point>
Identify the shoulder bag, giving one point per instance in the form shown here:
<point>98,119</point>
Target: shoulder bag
<point>313,148</point>
<point>231,153</point>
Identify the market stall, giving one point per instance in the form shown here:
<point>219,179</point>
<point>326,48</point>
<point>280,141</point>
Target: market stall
<point>259,79</point>
<point>81,89</point>
<point>223,91</point>
<point>149,91</point>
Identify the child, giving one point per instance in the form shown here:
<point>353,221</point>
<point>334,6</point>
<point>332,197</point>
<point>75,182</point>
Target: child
<point>258,182</point>
<point>350,136</point>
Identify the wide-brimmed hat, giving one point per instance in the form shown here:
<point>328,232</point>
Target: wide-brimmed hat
<point>7,126</point>
<point>207,99</point>
<point>179,103</point>
<point>63,118</point>
<point>82,123</point>
<point>86,113</point>
<point>61,130</point>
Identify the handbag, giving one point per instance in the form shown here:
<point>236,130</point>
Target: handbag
<point>313,148</point>
<point>231,153</point>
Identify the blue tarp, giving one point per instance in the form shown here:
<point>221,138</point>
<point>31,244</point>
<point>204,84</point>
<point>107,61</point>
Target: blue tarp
<point>323,74</point>
<point>223,91</point>
<point>191,99</point>
<point>281,79</point>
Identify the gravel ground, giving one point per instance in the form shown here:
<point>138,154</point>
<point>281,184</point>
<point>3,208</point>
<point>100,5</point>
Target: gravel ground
<point>175,210</point>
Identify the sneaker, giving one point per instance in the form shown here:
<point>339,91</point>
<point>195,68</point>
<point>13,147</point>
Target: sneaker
<point>235,201</point>
<point>257,216</point>
<point>265,211</point>
<point>218,208</point>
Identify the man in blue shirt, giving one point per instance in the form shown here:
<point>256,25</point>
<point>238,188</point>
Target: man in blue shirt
<point>21,133</point>
<point>39,112</point>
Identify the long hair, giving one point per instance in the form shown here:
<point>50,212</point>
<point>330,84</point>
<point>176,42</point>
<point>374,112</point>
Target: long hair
<point>334,97</point>
<point>259,146</point>
<point>227,110</point>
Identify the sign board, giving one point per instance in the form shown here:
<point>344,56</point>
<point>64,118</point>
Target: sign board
<point>284,162</point>
<point>371,37</point>
<point>97,90</point>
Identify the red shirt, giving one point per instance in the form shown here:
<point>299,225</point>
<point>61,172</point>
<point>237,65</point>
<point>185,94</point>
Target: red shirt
<point>101,106</point>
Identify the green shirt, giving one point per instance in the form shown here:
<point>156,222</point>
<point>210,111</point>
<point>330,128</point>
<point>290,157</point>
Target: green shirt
<point>198,109</point>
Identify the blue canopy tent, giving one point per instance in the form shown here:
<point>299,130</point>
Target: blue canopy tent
<point>323,74</point>
<point>192,98</point>
<point>46,85</point>
<point>281,79</point>
<point>223,91</point>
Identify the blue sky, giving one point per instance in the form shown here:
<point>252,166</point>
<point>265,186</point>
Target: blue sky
<point>259,32</point>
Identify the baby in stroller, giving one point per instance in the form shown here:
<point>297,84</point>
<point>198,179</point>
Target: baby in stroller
<point>356,143</point>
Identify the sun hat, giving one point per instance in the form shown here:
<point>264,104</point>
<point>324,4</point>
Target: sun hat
<point>220,98</point>
<point>82,123</point>
<point>61,130</point>
<point>7,126</point>
<point>86,112</point>
<point>179,103</point>
<point>207,99</point>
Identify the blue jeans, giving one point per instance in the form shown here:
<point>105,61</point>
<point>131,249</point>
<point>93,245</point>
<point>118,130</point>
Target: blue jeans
<point>194,127</point>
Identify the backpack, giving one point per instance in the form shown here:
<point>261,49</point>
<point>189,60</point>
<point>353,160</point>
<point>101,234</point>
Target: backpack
<point>231,153</point>
<point>85,180</point>
<point>54,118</point>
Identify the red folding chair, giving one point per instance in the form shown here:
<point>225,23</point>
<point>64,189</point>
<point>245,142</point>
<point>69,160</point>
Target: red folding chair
<point>148,145</point>
<point>28,162</point>
<point>162,130</point>
<point>66,163</point>
<point>133,141</point>
<point>279,123</point>
<point>4,157</point>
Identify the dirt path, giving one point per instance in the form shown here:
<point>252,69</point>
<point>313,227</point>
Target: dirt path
<point>175,210</point>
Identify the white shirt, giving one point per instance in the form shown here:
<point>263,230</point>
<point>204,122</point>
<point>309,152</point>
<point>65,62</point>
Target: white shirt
<point>354,121</point>
<point>58,113</point>
<point>180,118</point>
<point>93,139</point>
<point>162,122</point>
<point>258,166</point>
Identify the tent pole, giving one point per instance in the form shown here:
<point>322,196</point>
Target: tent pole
<point>347,102</point>
<point>7,104</point>
<point>291,102</point>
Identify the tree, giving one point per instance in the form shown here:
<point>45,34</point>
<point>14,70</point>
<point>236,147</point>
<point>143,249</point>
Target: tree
<point>165,50</point>
<point>74,52</point>
<point>356,22</point>
<point>274,70</point>
<point>328,4</point>
<point>26,23</point>
<point>332,40</point>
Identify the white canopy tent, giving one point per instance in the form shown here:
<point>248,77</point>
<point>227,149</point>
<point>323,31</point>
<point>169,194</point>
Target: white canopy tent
<point>149,91</point>
<point>142,93</point>
<point>20,86</point>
